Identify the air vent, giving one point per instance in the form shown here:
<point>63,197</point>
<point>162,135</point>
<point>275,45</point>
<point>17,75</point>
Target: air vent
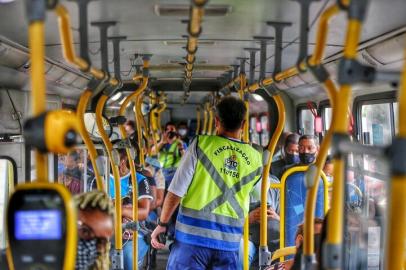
<point>183,10</point>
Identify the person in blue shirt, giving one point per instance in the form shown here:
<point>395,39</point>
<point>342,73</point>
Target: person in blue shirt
<point>144,203</point>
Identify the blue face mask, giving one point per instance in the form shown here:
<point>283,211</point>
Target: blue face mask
<point>292,159</point>
<point>307,158</point>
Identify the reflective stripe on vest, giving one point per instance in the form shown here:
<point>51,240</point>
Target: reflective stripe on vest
<point>170,158</point>
<point>213,210</point>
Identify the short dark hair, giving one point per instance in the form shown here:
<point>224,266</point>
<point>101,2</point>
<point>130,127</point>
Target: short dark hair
<point>170,123</point>
<point>310,137</point>
<point>300,227</point>
<point>231,112</point>
<point>130,123</point>
<point>291,139</point>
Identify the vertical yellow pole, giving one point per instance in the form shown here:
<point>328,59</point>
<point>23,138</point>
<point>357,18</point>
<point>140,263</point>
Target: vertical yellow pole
<point>205,120</point>
<point>198,121</point>
<point>81,109</point>
<point>335,224</point>
<point>38,86</point>
<point>114,167</point>
<point>395,257</point>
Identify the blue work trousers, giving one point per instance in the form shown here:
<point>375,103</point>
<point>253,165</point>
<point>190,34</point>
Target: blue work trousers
<point>191,257</point>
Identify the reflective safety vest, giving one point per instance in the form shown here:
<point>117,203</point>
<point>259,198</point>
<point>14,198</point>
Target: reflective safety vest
<point>213,210</point>
<point>170,158</point>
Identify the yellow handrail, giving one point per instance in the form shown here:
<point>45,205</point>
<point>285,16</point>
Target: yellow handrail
<point>396,228</point>
<point>315,170</point>
<point>282,252</point>
<point>114,167</point>
<point>265,174</point>
<point>205,120</point>
<point>210,128</point>
<point>335,224</point>
<point>198,120</point>
<point>132,168</point>
<point>282,186</point>
<point>38,86</point>
<point>81,109</point>
<point>65,33</point>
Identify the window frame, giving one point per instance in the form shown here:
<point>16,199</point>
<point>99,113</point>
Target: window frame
<point>371,99</point>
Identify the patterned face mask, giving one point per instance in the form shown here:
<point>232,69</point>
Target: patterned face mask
<point>86,254</point>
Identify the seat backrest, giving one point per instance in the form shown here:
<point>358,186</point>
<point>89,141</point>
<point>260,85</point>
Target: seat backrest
<point>293,204</point>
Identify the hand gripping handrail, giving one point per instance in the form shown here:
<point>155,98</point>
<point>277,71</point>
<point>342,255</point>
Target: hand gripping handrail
<point>80,112</point>
<point>123,133</point>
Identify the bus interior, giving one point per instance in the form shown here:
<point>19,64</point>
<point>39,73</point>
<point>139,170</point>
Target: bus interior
<point>73,72</point>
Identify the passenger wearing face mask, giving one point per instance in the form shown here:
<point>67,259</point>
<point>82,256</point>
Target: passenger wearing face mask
<point>308,149</point>
<point>290,155</point>
<point>183,132</point>
<point>95,228</point>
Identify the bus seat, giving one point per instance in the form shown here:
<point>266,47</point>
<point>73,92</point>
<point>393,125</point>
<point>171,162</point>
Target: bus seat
<point>295,198</point>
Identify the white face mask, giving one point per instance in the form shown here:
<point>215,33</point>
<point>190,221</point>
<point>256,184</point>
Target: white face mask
<point>182,132</point>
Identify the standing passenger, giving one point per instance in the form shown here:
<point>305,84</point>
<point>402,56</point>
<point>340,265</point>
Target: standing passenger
<point>171,150</point>
<point>212,186</point>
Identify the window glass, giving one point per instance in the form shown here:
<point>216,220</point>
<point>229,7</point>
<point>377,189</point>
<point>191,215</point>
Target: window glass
<point>396,116</point>
<point>328,114</point>
<point>366,193</point>
<point>6,183</point>
<point>73,169</point>
<point>376,124</point>
<point>307,122</point>
<point>265,130</point>
<point>254,132</point>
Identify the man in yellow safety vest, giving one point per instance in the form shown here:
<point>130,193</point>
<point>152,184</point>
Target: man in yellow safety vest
<point>212,186</point>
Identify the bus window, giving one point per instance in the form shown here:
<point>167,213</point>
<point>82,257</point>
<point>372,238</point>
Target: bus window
<point>255,132</point>
<point>7,173</point>
<point>71,171</point>
<point>376,125</point>
<point>265,130</point>
<point>396,116</point>
<point>306,122</point>
<point>366,193</point>
<point>327,114</point>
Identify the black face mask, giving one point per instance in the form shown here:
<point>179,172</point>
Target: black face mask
<point>86,254</point>
<point>307,158</point>
<point>292,159</point>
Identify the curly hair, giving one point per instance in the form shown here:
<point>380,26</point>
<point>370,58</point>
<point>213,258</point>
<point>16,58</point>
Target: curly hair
<point>97,200</point>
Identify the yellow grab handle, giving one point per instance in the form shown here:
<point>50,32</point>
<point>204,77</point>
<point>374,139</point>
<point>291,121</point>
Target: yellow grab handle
<point>114,167</point>
<point>265,174</point>
<point>83,101</point>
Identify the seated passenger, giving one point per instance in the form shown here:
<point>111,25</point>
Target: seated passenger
<point>254,220</point>
<point>71,180</point>
<point>328,168</point>
<point>290,155</point>
<point>293,263</point>
<point>144,204</point>
<point>308,151</point>
<point>95,228</point>
<point>153,166</point>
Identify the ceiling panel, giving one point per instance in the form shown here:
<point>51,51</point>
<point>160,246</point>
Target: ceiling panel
<point>149,33</point>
